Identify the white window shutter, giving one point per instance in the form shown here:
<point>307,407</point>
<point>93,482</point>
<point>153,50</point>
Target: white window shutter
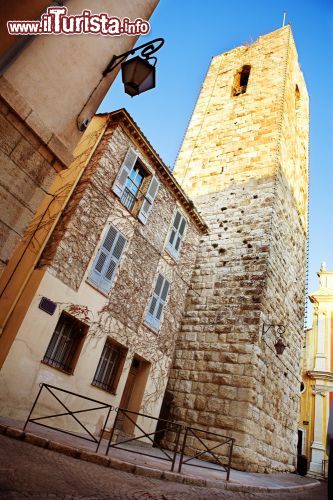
<point>149,200</point>
<point>177,234</point>
<point>106,261</point>
<point>157,302</point>
<point>124,171</point>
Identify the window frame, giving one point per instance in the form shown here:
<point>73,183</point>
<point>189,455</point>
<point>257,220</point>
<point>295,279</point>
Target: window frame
<point>150,320</point>
<point>117,369</point>
<point>237,88</point>
<point>73,352</point>
<point>141,190</point>
<point>169,247</point>
<point>98,283</point>
<point>147,192</point>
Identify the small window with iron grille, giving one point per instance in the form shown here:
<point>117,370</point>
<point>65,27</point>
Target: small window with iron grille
<point>110,366</point>
<point>66,343</point>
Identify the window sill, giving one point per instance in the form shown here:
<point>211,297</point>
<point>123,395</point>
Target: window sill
<point>95,287</point>
<point>67,372</point>
<point>113,392</point>
<point>151,328</point>
<point>174,257</point>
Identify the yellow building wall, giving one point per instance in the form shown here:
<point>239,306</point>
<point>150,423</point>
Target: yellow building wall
<point>317,373</point>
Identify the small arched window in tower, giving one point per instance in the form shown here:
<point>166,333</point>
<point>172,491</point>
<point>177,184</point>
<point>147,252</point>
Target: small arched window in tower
<point>297,98</point>
<point>241,81</point>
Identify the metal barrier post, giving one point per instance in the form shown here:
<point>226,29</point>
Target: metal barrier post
<point>33,406</point>
<point>176,448</point>
<point>112,432</point>
<point>103,429</point>
<point>182,451</point>
<point>229,462</point>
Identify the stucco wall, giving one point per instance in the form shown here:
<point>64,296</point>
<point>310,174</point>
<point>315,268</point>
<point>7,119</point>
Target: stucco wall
<point>61,71</point>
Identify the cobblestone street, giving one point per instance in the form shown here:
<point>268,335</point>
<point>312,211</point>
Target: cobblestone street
<point>35,473</point>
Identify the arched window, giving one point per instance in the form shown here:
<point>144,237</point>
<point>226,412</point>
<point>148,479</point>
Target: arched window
<point>241,81</point>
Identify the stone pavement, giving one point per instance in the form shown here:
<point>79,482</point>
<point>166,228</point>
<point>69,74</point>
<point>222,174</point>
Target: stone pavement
<point>27,472</point>
<point>154,467</point>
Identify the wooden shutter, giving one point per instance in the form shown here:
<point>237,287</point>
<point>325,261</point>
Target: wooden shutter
<point>124,171</point>
<point>149,200</point>
<point>177,234</point>
<point>157,302</point>
<point>106,261</point>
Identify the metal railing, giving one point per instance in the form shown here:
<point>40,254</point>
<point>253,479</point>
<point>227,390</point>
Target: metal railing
<point>191,431</point>
<point>122,416</point>
<point>131,417</point>
<point>128,199</point>
<point>51,389</point>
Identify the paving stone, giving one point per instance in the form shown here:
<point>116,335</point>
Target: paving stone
<point>120,465</point>
<point>94,458</point>
<point>65,450</point>
<point>36,440</point>
<point>14,433</point>
<point>148,472</point>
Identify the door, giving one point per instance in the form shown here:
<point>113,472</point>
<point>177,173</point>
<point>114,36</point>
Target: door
<point>127,393</point>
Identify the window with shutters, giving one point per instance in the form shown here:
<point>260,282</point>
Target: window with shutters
<point>135,186</point>
<point>66,343</point>
<point>105,265</point>
<point>177,234</point>
<point>156,302</point>
<point>110,366</point>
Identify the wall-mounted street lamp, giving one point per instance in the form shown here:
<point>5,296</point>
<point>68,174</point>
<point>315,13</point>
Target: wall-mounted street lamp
<point>138,74</point>
<point>279,330</point>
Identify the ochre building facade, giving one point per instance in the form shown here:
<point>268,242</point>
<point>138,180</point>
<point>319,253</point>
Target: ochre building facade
<point>244,163</point>
<point>317,374</point>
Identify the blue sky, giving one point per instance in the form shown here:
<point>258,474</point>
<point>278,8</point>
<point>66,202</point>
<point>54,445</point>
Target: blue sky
<point>194,31</point>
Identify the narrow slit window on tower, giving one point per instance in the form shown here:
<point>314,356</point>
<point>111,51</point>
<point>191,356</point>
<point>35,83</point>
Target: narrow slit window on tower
<point>241,81</point>
<point>297,98</point>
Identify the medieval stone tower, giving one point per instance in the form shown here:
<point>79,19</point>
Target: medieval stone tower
<point>244,164</point>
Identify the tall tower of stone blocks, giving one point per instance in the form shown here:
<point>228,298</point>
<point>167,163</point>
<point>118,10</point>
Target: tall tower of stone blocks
<point>244,162</point>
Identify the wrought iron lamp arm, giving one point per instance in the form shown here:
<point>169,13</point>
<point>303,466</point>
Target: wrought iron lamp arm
<point>280,329</point>
<point>147,49</point>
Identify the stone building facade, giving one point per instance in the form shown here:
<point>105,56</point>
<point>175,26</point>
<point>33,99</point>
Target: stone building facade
<point>117,269</point>
<point>41,110</point>
<point>317,376</point>
<point>244,162</point>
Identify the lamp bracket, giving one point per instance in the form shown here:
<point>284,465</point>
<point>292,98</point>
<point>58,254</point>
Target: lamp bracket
<point>279,329</point>
<point>148,49</point>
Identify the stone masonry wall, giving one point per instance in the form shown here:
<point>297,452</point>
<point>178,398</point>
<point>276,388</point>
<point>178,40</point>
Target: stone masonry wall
<point>28,168</point>
<point>74,241</point>
<point>244,164</point>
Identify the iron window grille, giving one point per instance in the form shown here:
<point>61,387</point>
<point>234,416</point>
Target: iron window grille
<point>109,367</point>
<point>65,344</point>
